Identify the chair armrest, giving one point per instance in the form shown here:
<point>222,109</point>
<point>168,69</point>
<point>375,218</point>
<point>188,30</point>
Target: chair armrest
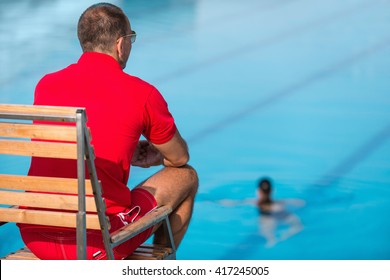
<point>152,218</point>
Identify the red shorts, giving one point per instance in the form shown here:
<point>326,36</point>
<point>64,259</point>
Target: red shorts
<point>50,243</point>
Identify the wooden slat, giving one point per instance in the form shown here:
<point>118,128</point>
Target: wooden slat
<point>43,200</point>
<point>38,149</point>
<point>140,225</point>
<point>26,254</point>
<point>38,112</point>
<point>38,131</point>
<point>43,184</point>
<point>159,253</point>
<point>166,253</point>
<point>142,256</point>
<point>49,218</point>
<point>155,248</point>
<point>22,254</point>
<point>151,252</point>
<point>33,109</point>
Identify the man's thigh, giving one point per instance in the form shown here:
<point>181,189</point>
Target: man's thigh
<point>171,185</point>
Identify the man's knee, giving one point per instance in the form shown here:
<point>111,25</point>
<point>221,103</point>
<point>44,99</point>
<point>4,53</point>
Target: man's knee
<point>182,181</point>
<point>193,178</point>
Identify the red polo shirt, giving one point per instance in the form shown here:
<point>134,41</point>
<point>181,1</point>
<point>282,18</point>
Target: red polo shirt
<point>119,107</point>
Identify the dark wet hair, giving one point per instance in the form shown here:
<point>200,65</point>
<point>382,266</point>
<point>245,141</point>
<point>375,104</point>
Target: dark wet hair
<point>265,185</point>
<point>100,26</point>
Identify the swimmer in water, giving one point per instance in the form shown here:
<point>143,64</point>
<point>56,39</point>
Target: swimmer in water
<point>276,220</point>
<point>264,194</point>
<point>274,214</point>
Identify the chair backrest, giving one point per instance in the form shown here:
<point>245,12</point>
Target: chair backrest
<point>47,200</point>
<point>39,131</point>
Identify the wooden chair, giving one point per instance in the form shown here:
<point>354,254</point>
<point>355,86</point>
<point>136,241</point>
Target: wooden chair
<point>51,195</point>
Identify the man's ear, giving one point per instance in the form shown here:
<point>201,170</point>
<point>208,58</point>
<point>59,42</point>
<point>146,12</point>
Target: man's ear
<point>119,47</point>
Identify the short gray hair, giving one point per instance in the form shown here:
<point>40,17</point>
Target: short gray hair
<point>100,26</point>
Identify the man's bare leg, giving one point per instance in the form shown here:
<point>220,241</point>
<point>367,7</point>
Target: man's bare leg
<point>174,187</point>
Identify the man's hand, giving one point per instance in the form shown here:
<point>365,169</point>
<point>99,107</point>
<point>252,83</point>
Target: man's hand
<point>146,155</point>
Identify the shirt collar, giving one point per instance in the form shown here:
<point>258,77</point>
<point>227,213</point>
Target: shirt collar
<point>99,59</point>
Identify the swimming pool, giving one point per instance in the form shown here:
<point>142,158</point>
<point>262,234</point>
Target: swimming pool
<point>290,89</point>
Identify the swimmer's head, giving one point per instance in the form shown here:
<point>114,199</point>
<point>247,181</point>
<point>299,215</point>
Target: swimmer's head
<point>265,185</point>
<point>264,189</point>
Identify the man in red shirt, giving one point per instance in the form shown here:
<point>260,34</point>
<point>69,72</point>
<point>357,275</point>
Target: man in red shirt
<point>120,108</point>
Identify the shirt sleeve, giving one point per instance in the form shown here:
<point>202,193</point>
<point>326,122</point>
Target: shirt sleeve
<point>159,125</point>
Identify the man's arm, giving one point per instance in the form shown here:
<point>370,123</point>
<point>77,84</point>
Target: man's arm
<point>173,153</point>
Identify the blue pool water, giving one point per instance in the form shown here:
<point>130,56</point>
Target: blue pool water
<point>296,90</point>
